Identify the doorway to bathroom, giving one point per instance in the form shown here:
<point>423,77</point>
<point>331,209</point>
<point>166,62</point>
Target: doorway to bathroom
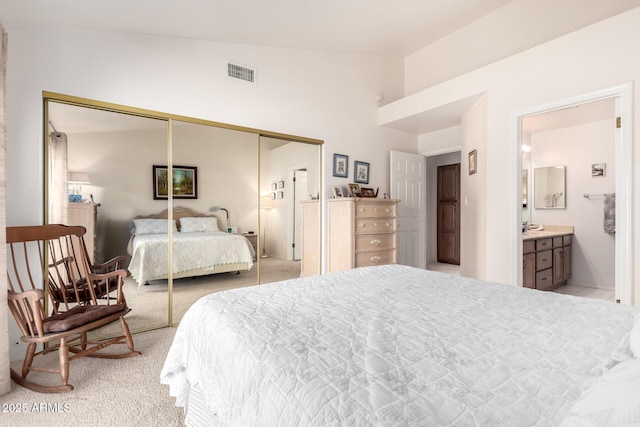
<point>586,147</point>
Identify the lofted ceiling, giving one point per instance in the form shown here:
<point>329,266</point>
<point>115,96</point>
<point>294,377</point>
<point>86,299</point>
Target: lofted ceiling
<point>382,27</point>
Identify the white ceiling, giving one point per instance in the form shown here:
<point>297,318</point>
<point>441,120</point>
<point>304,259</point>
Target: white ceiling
<point>571,116</point>
<point>385,27</point>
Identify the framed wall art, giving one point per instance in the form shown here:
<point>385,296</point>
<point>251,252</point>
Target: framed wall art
<point>340,165</point>
<point>473,162</point>
<point>598,169</point>
<point>361,172</point>
<point>184,182</point>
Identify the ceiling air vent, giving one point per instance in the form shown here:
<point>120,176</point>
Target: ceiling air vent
<point>242,73</point>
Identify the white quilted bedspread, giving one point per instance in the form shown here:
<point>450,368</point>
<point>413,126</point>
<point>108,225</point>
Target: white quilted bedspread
<point>391,346</point>
<point>191,251</point>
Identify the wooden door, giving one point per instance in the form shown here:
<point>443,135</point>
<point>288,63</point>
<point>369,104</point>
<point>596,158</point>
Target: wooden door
<point>448,209</point>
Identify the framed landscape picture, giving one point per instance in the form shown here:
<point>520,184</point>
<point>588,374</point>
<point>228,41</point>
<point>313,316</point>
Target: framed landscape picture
<point>184,182</point>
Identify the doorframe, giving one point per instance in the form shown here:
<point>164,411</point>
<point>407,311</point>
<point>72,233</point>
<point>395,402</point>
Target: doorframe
<point>623,186</point>
<point>291,209</point>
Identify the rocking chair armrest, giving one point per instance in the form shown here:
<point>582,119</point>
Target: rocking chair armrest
<point>111,265</point>
<point>32,295</point>
<point>119,275</point>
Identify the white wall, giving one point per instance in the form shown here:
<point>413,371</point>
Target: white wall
<point>577,148</point>
<point>440,141</point>
<point>597,57</point>
<point>518,25</point>
<point>321,95</point>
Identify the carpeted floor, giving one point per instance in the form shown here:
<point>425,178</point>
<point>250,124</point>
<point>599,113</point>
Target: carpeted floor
<point>125,392</point>
<point>107,392</point>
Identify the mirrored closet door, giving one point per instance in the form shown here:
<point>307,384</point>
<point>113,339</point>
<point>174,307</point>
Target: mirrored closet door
<point>98,178</point>
<point>146,184</point>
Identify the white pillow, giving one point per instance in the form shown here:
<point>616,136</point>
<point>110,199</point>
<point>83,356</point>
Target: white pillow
<point>613,400</point>
<point>152,226</point>
<point>634,338</point>
<point>198,224</point>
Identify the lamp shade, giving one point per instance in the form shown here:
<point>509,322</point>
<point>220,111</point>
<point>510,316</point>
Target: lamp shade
<point>78,178</point>
<point>266,202</point>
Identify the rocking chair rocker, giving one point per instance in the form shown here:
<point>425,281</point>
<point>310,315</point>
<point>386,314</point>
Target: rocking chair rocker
<point>44,257</point>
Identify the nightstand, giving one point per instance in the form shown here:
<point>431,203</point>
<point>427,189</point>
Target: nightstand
<point>253,239</point>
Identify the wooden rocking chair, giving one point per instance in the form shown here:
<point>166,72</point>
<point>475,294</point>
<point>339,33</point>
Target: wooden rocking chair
<point>43,257</point>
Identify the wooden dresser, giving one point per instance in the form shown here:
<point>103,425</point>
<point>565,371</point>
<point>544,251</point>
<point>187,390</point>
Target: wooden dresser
<point>361,232</point>
<point>86,215</point>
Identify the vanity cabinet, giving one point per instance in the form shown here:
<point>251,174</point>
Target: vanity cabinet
<point>361,232</point>
<point>546,262</point>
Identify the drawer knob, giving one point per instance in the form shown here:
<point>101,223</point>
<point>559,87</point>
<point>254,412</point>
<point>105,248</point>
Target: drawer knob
<point>387,210</point>
<point>375,242</point>
<point>362,225</point>
<point>375,258</point>
<point>361,210</point>
<point>387,224</point>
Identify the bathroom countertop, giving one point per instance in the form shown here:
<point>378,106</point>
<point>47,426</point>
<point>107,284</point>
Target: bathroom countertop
<point>548,231</point>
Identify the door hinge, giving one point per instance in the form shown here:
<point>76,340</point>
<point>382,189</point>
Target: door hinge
<point>618,122</point>
<point>293,245</point>
<point>617,301</point>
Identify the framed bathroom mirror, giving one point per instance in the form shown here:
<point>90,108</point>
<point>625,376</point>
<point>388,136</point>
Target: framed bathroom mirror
<point>549,187</point>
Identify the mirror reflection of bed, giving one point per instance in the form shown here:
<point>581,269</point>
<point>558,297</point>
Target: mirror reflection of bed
<point>117,151</point>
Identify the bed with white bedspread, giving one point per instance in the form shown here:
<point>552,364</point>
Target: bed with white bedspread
<point>396,345</point>
<point>198,247</point>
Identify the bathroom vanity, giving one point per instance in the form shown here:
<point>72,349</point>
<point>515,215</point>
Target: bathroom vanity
<point>546,256</point>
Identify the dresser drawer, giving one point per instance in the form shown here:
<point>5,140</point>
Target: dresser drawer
<point>370,210</point>
<point>542,244</point>
<point>380,225</point>
<point>376,241</point>
<point>544,279</point>
<point>557,242</point>
<point>366,259</point>
<point>544,260</point>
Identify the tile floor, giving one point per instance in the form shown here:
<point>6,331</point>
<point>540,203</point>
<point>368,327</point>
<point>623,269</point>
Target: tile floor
<point>581,291</point>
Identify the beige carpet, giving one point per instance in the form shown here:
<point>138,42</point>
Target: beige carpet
<point>126,392</point>
<point>108,392</point>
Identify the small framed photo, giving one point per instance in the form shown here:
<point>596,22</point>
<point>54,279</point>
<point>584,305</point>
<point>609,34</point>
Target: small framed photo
<point>337,191</point>
<point>273,196</point>
<point>473,162</point>
<point>183,183</point>
<point>361,172</point>
<point>368,192</point>
<point>279,195</point>
<point>340,165</point>
<point>280,184</point>
<point>354,190</point>
<point>274,186</point>
<point>598,169</point>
